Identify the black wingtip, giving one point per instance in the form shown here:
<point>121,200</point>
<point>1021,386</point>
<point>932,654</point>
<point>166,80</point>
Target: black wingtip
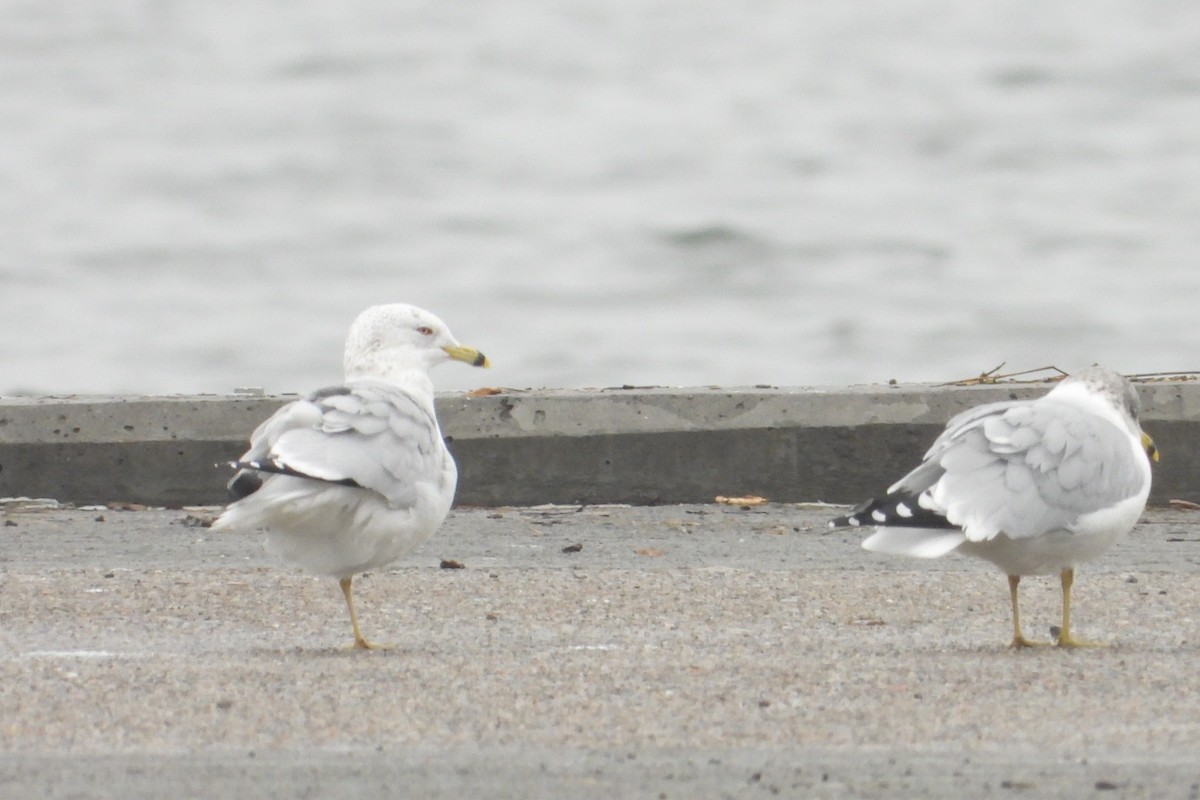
<point>272,467</point>
<point>895,510</point>
<point>244,484</point>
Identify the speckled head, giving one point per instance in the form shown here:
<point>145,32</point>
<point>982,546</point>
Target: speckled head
<point>1111,385</point>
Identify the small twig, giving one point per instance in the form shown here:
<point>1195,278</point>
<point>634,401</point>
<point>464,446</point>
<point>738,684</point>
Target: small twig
<point>990,377</point>
<point>993,376</point>
<point>984,377</point>
<point>1158,377</point>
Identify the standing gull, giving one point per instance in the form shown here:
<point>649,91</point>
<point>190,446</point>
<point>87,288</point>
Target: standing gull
<point>1035,487</point>
<point>352,477</point>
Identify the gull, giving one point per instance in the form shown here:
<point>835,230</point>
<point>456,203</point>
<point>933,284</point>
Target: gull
<point>1033,486</point>
<point>352,477</point>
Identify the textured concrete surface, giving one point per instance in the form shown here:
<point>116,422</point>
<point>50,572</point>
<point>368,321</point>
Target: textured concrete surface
<point>629,445</point>
<point>674,651</point>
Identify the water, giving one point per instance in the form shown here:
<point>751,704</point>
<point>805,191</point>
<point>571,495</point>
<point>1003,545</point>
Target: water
<point>200,196</point>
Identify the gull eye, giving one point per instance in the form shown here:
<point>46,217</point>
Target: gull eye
<point>425,330</point>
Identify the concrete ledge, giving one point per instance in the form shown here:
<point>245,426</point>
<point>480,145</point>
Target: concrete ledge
<point>629,445</point>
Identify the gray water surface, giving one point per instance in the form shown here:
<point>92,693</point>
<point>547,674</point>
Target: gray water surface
<point>200,196</point>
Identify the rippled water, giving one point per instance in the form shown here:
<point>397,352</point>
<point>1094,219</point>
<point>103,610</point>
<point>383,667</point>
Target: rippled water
<point>200,196</point>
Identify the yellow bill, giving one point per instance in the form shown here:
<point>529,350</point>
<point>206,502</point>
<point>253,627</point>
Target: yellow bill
<point>468,355</point>
<point>1147,443</point>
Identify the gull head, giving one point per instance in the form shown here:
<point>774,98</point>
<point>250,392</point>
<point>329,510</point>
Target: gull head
<point>397,337</point>
<point>1116,391</point>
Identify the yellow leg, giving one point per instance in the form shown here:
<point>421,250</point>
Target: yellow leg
<point>359,642</point>
<point>1065,639</point>
<point>1018,639</point>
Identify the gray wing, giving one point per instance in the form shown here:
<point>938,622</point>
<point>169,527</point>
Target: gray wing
<point>930,470</point>
<point>1025,468</point>
<point>368,433</point>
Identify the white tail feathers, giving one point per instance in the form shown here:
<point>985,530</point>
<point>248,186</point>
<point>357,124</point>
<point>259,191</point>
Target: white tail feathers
<point>918,542</point>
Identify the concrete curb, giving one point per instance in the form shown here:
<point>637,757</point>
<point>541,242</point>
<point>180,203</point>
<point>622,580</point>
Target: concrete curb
<point>628,445</point>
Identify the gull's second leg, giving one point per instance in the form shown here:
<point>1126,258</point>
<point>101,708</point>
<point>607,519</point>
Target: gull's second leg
<point>1065,639</point>
<point>1018,639</point>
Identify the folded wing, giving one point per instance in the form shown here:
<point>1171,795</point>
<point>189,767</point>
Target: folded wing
<point>1019,468</point>
<point>367,433</point>
<point>1031,468</point>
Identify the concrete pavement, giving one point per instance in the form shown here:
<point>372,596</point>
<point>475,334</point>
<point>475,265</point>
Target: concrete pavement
<point>680,651</point>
